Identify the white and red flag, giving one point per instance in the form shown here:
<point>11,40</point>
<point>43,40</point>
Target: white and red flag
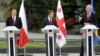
<point>23,31</point>
<point>61,36</point>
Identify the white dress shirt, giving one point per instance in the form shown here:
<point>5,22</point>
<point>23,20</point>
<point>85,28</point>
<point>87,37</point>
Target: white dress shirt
<point>49,19</point>
<point>14,18</point>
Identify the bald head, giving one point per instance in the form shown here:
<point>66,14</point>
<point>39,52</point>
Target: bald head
<point>88,8</point>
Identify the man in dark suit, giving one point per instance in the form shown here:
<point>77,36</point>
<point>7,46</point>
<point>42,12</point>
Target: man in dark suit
<point>87,18</point>
<point>13,20</point>
<point>49,21</point>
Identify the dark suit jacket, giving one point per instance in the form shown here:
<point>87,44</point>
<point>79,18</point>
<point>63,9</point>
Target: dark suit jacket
<point>91,19</point>
<point>46,22</point>
<point>18,22</point>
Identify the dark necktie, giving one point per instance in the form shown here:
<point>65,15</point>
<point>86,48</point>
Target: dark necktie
<point>50,21</point>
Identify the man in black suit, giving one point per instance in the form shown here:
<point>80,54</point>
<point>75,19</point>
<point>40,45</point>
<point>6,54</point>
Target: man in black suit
<point>49,21</point>
<point>87,18</point>
<point>13,20</point>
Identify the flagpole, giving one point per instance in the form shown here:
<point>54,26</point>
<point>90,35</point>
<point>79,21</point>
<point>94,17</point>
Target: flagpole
<point>22,16</point>
<point>61,33</point>
<point>24,46</point>
<point>60,51</point>
<point>24,51</point>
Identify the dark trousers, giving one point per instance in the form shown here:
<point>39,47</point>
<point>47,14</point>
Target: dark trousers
<point>82,47</point>
<point>50,46</point>
<point>11,47</point>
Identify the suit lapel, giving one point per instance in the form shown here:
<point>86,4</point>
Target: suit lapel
<point>90,16</point>
<point>85,17</point>
<point>48,21</point>
<point>88,19</point>
<point>11,20</point>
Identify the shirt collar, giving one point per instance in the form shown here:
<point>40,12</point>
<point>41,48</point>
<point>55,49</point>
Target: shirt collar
<point>49,18</point>
<point>89,13</point>
<point>14,17</point>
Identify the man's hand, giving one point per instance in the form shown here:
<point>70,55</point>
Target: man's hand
<point>80,18</point>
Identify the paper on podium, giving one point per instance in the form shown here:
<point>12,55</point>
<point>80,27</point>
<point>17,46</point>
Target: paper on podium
<point>50,27</point>
<point>10,28</point>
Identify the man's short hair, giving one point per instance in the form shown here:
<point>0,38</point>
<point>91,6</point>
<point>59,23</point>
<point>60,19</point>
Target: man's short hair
<point>49,11</point>
<point>13,9</point>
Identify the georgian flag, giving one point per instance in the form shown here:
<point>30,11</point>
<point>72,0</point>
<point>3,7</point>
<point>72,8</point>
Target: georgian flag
<point>61,36</point>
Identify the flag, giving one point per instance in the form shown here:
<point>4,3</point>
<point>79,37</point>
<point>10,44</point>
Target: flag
<point>92,10</point>
<point>96,32</point>
<point>61,36</point>
<point>23,31</point>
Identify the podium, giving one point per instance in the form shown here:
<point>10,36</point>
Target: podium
<point>89,30</point>
<point>51,31</point>
<point>10,34</point>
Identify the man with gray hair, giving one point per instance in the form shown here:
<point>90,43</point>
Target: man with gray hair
<point>87,18</point>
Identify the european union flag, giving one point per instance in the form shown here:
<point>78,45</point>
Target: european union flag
<point>92,10</point>
<point>95,38</point>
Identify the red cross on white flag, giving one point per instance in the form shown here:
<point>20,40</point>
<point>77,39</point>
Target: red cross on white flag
<point>61,36</point>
